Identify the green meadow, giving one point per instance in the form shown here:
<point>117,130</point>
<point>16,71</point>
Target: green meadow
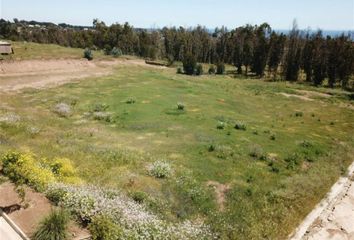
<point>270,149</point>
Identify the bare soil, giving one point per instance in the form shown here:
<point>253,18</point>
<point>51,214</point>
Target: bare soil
<point>220,192</point>
<point>17,75</point>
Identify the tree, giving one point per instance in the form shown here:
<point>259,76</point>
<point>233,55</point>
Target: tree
<point>293,56</point>
<point>261,48</point>
<point>276,50</point>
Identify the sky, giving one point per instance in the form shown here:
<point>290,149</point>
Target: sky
<point>314,14</point>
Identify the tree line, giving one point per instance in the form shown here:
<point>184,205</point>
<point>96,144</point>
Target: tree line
<point>253,49</point>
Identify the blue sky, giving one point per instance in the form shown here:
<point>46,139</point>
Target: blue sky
<point>324,14</point>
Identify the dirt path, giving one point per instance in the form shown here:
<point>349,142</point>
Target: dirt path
<point>18,75</point>
<point>333,217</point>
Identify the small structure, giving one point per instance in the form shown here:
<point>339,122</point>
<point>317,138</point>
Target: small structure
<point>6,48</point>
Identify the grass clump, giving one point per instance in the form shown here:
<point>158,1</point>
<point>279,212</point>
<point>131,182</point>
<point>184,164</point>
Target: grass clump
<point>102,227</point>
<point>130,100</point>
<point>221,125</point>
<point>257,152</point>
<point>53,227</point>
<point>299,114</point>
<point>240,126</point>
<point>160,169</point>
<point>139,196</point>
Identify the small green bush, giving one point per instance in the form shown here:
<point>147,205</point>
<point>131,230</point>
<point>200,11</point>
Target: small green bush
<point>179,70</point>
<point>299,114</point>
<point>221,125</point>
<point>100,107</point>
<point>220,68</point>
<point>199,70</point>
<point>189,64</point>
<point>103,228</point>
<point>130,101</point>
<point>240,126</point>
<point>88,54</point>
<point>212,70</point>
<point>180,106</point>
<point>211,148</point>
<point>53,227</point>
<point>139,196</point>
<point>116,52</point>
<point>272,137</point>
<point>257,152</point>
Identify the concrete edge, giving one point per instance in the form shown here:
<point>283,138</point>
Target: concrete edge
<point>14,226</point>
<point>336,190</point>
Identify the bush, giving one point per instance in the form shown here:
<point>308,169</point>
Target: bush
<point>257,152</point>
<point>88,54</point>
<point>103,228</point>
<point>199,70</point>
<point>299,114</point>
<point>220,68</point>
<point>62,109</point>
<point>116,52</point>
<point>240,126</point>
<point>102,116</point>
<point>24,169</point>
<point>100,107</point>
<point>212,70</point>
<point>272,137</point>
<point>221,125</point>
<point>180,106</point>
<point>179,70</point>
<point>130,101</point>
<point>189,64</point>
<point>139,196</point>
<point>64,170</point>
<point>55,226</point>
<point>160,169</point>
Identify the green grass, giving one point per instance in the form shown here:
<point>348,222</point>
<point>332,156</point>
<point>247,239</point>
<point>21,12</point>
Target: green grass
<point>269,195</point>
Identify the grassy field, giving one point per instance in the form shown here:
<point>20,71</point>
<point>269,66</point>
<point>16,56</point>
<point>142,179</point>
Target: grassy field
<point>275,168</point>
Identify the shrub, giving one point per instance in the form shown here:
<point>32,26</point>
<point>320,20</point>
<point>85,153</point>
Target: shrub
<point>100,107</point>
<point>116,52</point>
<point>272,137</point>
<point>240,126</point>
<point>88,54</point>
<point>160,169</point>
<point>257,152</point>
<point>102,116</point>
<point>299,114</point>
<point>55,226</point>
<point>64,171</point>
<point>62,109</point>
<point>211,148</point>
<point>212,69</point>
<point>292,160</point>
<point>199,70</point>
<point>23,168</point>
<point>139,196</point>
<point>221,125</point>
<point>103,228</point>
<point>180,106</point>
<point>189,64</point>
<point>220,68</point>
<point>179,70</point>
<point>130,101</point>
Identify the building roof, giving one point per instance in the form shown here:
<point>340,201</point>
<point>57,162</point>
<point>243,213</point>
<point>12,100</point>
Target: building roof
<point>5,43</point>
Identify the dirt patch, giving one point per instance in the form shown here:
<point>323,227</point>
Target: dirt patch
<point>313,94</point>
<point>305,98</point>
<point>220,192</point>
<point>18,75</point>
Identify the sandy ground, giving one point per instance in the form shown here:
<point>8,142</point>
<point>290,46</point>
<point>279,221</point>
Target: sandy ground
<point>18,75</point>
<point>333,217</point>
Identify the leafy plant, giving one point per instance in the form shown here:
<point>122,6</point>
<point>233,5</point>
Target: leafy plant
<point>88,54</point>
<point>220,68</point>
<point>180,106</point>
<point>199,70</point>
<point>240,126</point>
<point>53,227</point>
<point>103,227</point>
<point>221,125</point>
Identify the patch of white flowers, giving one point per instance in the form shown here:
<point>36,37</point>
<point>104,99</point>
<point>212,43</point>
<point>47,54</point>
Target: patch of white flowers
<point>159,169</point>
<point>136,221</point>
